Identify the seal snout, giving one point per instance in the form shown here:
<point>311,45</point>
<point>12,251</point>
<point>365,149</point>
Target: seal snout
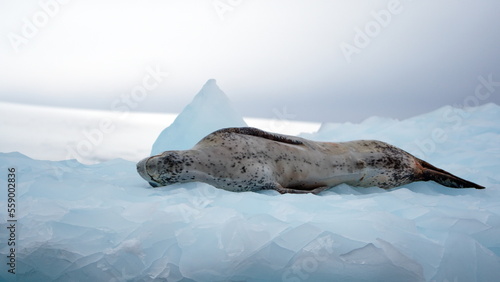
<point>144,170</point>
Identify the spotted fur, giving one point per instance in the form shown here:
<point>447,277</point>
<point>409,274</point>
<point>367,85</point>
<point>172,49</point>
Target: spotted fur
<point>249,159</point>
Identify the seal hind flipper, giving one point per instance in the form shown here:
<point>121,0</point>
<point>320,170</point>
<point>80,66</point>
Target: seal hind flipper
<point>252,131</point>
<point>430,172</point>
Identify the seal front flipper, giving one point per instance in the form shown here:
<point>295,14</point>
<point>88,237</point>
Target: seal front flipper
<point>430,172</point>
<point>154,184</point>
<point>315,191</point>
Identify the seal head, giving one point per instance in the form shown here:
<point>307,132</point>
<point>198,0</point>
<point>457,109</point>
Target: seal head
<point>161,170</point>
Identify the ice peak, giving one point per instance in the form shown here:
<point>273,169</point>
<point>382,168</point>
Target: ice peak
<point>211,90</point>
<point>210,82</point>
<point>210,87</point>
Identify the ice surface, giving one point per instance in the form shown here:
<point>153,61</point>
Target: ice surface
<point>103,222</point>
<point>210,110</point>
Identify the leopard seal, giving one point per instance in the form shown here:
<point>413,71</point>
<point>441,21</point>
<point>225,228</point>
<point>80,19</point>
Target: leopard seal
<point>249,159</point>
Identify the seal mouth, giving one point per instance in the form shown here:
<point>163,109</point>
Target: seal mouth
<point>143,172</point>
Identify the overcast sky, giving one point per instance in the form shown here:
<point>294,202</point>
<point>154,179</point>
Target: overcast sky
<point>334,61</point>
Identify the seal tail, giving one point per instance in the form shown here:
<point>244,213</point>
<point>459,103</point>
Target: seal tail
<point>430,172</point>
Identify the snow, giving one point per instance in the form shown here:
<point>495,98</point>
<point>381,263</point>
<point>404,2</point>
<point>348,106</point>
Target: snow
<point>99,220</point>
